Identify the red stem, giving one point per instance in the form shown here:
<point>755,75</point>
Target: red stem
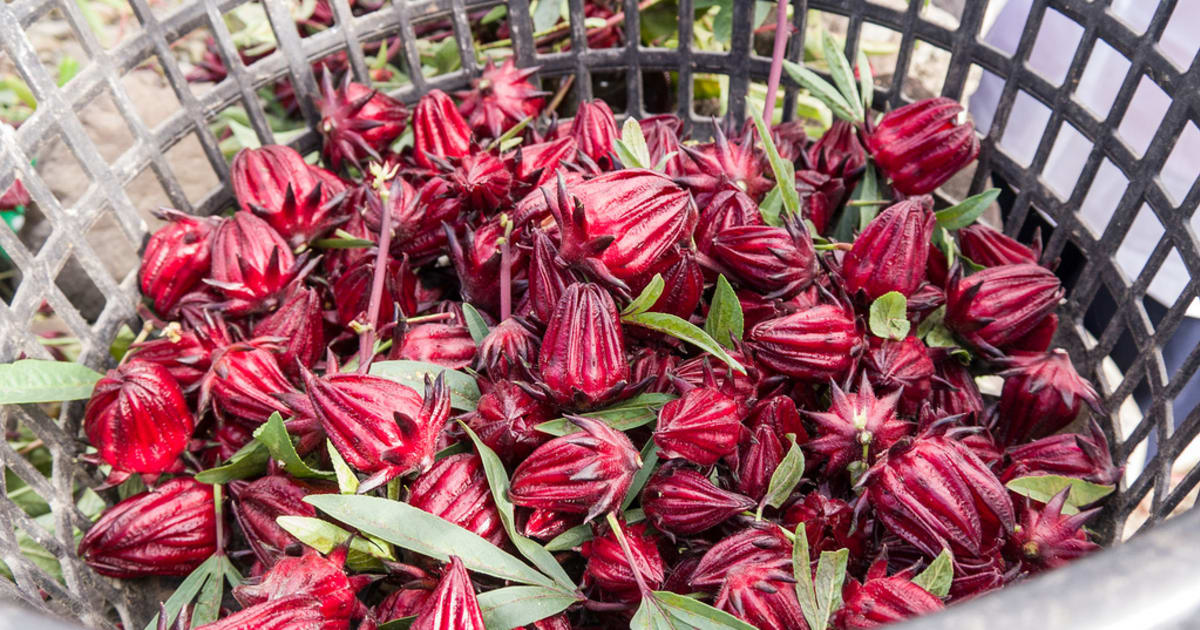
<point>366,349</point>
<point>781,37</point>
<point>506,273</point>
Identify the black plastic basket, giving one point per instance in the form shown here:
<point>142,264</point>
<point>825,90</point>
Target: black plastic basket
<point>1150,582</point>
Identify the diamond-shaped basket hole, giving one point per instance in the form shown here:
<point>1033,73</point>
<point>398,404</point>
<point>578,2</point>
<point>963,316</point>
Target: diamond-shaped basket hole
<point>1057,39</point>
<point>438,48</point>
<point>926,71</point>
<point>200,60</point>
<point>1072,263</point>
<point>1102,197</point>
<point>75,283</point>
<point>153,98</point>
<point>945,13</point>
<point>1181,170</point>
<point>1066,160</point>
<point>10,280</point>
<point>56,339</point>
<point>659,91</point>
<point>146,192</point>
<point>610,87</point>
<point>1188,382</point>
<point>63,172</point>
<point>113,246</point>
<point>57,44</point>
<point>192,168</point>
<point>1144,115</point>
<point>1170,282</point>
<point>985,87</point>
<point>1101,79</point>
<point>1139,242</point>
<point>1135,15</point>
<point>105,126</point>
<point>17,102</point>
<point>706,95</point>
<point>1178,41</point>
<point>1024,129</point>
<point>880,44</point>
<point>251,31</point>
<point>112,21</point>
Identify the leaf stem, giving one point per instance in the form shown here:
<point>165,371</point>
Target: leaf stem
<point>366,342</point>
<point>218,499</point>
<point>643,588</point>
<point>506,264</point>
<point>781,37</point>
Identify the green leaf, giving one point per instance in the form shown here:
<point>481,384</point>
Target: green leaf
<point>185,592</point>
<point>495,15</point>
<point>966,211</point>
<point>831,573</point>
<point>419,531</point>
<point>517,606</point>
<point>277,440</point>
<point>842,75</point>
<point>580,534</point>
<point>343,243</point>
<point>464,392</point>
<point>889,316</point>
<point>635,141</point>
<point>649,457</point>
<point>787,474</point>
<point>347,480</point>
<point>325,536</point>
<point>866,80</point>
<point>819,598</point>
<point>686,331</point>
<point>694,613</point>
<point>868,190</point>
<point>821,89</point>
<point>120,344</point>
<point>475,323</point>
<point>38,381</point>
<point>249,461</point>
<point>651,616</point>
<point>498,482</point>
<point>785,172</point>
<point>771,207</point>
<point>936,577</point>
<point>647,297</point>
<point>546,14</point>
<point>1042,488</point>
<point>208,602</point>
<point>403,623</point>
<point>725,321</point>
<point>623,416</point>
<point>231,573</point>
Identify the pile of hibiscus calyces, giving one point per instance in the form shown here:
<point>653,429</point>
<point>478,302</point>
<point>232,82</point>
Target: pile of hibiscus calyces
<point>599,355</point>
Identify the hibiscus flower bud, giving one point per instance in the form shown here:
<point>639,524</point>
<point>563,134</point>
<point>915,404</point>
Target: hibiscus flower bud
<point>1042,394</point>
<point>452,605</point>
<point>357,122</point>
<point>251,263</point>
<point>500,98</point>
<point>764,597</point>
<point>762,545</point>
<point>680,501</point>
<point>456,489</point>
<point>177,258</point>
<point>505,420</point>
<point>890,253</point>
<point>1049,539</point>
<point>858,426</point>
<point>995,308</point>
<point>921,145</point>
<point>312,575</point>
<point>1067,454</point>
<point>138,419</point>
<point>702,426</point>
<point>609,569</point>
<point>881,600</point>
<point>299,325</point>
<point>582,359</point>
<point>816,344</point>
<point>245,380</point>
<point>258,503</point>
<point>439,131</point>
<point>990,247</point>
<point>778,262</point>
<point>594,130</point>
<point>448,345</point>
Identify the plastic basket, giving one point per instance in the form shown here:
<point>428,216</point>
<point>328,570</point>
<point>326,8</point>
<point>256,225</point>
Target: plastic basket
<point>1150,574</point>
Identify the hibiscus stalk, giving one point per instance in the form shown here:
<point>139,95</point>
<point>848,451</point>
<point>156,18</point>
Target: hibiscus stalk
<point>613,523</point>
<point>506,263</point>
<point>776,60</point>
<point>366,344</point>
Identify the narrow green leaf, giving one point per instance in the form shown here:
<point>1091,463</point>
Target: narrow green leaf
<point>1042,488</point>
<point>347,480</point>
<point>417,530</point>
<point>325,536</point>
<point>39,381</point>
<point>842,75</point>
<point>249,461</point>
<point>651,616</point>
<point>787,474</point>
<point>546,14</point>
<point>208,602</point>
<point>277,440</point>
<point>343,243</point>
<point>475,323</point>
<point>649,463</point>
<point>936,577</point>
<point>965,212</point>
<point>686,331</point>
<point>623,416</point>
<point>627,154</point>
<point>403,623</point>
<point>725,321</point>
<point>509,139</point>
<point>232,576</point>
<point>785,173</point>
<point>120,345</point>
<point>771,207</point>
<point>572,538</point>
<point>821,89</point>
<point>495,15</point>
<point>868,190</point>
<point>866,80</point>
<point>889,316</point>
<point>632,137</point>
<point>831,573</point>
<point>802,571</point>
<point>517,606</point>
<point>185,592</point>
<point>498,482</point>
<point>464,392</point>
<point>694,613</point>
<point>647,297</point>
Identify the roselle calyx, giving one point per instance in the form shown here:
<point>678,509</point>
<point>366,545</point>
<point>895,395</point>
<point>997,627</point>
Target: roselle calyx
<point>608,568</point>
<point>311,575</point>
<point>299,327</point>
<point>857,427</point>
<point>455,489</point>
<point>500,98</point>
<point>582,360</point>
<point>176,259</point>
<point>452,605</point>
<point>245,381</point>
<point>594,130</point>
<point>817,343</point>
<point>778,262</point>
<point>921,145</point>
<point>257,505</point>
<point>1084,457</point>
<point>890,253</point>
<point>357,122</point>
<point>679,501</point>
<point>138,419</point>
<point>439,131</point>
<point>701,426</point>
<point>251,264</point>
<point>1042,394</point>
<point>995,308</point>
<point>1049,539</point>
<point>505,419</point>
<point>989,247</point>
<point>880,600</point>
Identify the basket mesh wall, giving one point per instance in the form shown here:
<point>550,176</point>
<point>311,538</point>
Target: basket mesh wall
<point>1095,283</point>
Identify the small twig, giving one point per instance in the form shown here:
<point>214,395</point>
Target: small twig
<point>560,94</point>
<point>506,268</point>
<point>637,574</point>
<point>366,344</point>
<point>781,37</point>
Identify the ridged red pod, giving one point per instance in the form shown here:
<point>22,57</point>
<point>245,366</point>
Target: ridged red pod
<point>357,122</point>
<point>1067,454</point>
<point>857,426</point>
<point>351,291</point>
<point>181,352</point>
<point>890,253</point>
<point>299,327</point>
<point>775,261</point>
<point>258,503</point>
<point>456,489</point>
<point>903,366</point>
<point>662,140</point>
<point>1042,394</point>
<point>177,258</point>
<point>680,501</point>
<point>882,600</point>
<point>726,209</point>
<point>296,612</point>
<point>723,165</point>
<point>452,605</point>
<point>820,196</point>
<point>998,306</point>
<point>838,152</point>
<point>476,261</point>
<point>761,544</point>
<point>506,350</point>
<point>245,380</point>
<point>138,419</point>
<point>920,146</point>
<point>484,180</point>
<point>251,263</point>
<point>582,360</point>
<point>323,579</point>
<point>758,455</point>
<point>544,524</point>
<point>935,494</point>
<point>538,163</point>
<point>643,212</point>
<point>764,597</point>
<point>954,389</point>
<point>990,247</point>
<point>548,280</point>
<point>298,200</point>
<point>595,130</point>
<point>586,472</point>
<point>781,414</point>
<point>505,419</point>
<point>500,98</point>
<point>830,525</point>
<point>683,283</point>
<point>448,345</point>
<point>439,131</point>
<point>816,344</point>
<point>170,530</point>
<point>379,426</point>
<point>1049,539</point>
<point>608,569</point>
<point>405,602</point>
<point>701,426</point>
